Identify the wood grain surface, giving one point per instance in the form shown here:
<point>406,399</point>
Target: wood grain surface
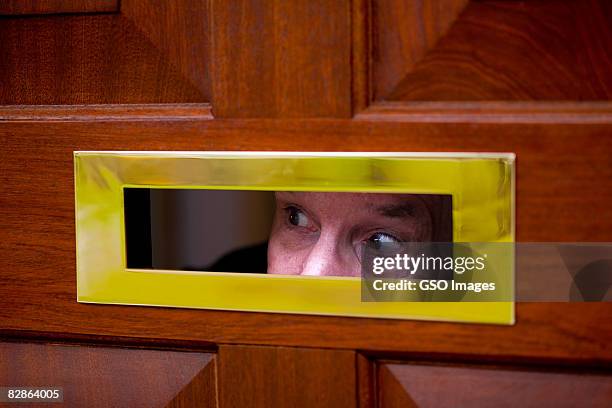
<point>530,77</point>
<point>88,59</point>
<point>202,390</point>
<point>563,194</point>
<point>111,376</point>
<point>511,50</point>
<point>22,7</point>
<point>557,113</point>
<point>403,32</point>
<point>281,59</point>
<point>366,381</point>
<point>417,385</point>
<point>180,32</point>
<point>106,113</point>
<point>286,377</point>
<point>361,49</point>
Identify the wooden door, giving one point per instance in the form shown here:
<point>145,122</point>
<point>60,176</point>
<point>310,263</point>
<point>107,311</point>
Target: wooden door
<point>532,77</point>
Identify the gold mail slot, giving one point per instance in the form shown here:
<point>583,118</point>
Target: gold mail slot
<point>299,232</point>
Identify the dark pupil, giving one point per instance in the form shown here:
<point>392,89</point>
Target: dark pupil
<point>294,216</point>
<point>376,239</point>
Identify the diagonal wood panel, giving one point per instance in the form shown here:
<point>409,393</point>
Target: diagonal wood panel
<point>179,29</point>
<point>518,51</point>
<point>201,392</point>
<point>89,59</point>
<point>414,385</point>
<point>391,391</point>
<point>403,32</point>
<point>112,377</point>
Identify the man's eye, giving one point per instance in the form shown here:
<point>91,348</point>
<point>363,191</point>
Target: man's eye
<point>297,217</point>
<point>382,238</point>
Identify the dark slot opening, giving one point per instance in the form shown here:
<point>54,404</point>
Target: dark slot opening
<point>137,202</point>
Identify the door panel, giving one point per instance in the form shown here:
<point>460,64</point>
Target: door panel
<point>264,377</point>
<point>414,385</point>
<point>23,7</point>
<point>93,376</point>
<point>530,77</point>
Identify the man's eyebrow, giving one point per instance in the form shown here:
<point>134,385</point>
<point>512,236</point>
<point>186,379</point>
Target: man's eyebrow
<point>286,193</point>
<point>401,210</point>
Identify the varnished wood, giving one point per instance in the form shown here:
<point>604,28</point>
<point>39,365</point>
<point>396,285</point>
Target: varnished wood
<point>391,392</point>
<point>551,113</point>
<point>201,392</point>
<point>506,50</point>
<point>286,377</point>
<point>416,385</point>
<point>366,382</point>
<point>88,59</point>
<point>361,61</point>
<point>299,59</point>
<point>402,34</point>
<point>21,7</point>
<point>180,31</point>
<point>105,113</point>
<point>111,376</point>
<point>563,194</point>
<point>281,59</point>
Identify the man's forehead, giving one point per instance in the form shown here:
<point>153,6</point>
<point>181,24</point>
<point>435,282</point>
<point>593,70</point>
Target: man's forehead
<point>365,196</point>
<point>380,202</point>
